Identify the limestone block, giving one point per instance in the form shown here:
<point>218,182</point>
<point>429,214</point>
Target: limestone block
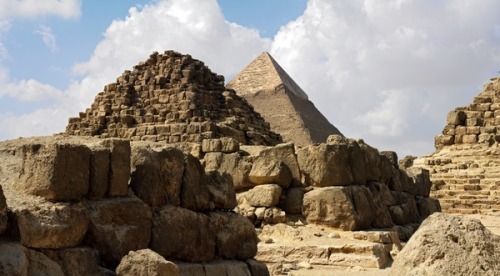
<point>146,262</point>
<point>293,200</point>
<point>469,139</point>
<point>325,165</point>
<point>76,261</point>
<point>157,175</point>
<point>380,198</point>
<point>270,171</point>
<point>427,206</point>
<point>372,161</point>
<point>13,259</point>
<point>274,215</point>
<point>39,264</point>
<point>286,154</point>
<point>392,156</point>
<point>50,225</point>
<point>405,213</point>
<point>421,184</point>
<point>191,269</point>
<point>184,235</point>
<point>336,207</point>
<point>357,161</point>
<point>117,226</point>
<point>55,171</point>
<point>456,117</point>
<point>234,165</point>
<point>119,167</point>
<point>211,145</point>
<point>266,195</point>
<point>229,145</point>
<point>194,193</point>
<point>235,236</point>
<point>221,191</point>
<point>3,212</point>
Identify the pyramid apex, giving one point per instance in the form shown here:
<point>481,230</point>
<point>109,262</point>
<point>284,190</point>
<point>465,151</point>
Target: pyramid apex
<point>264,74</point>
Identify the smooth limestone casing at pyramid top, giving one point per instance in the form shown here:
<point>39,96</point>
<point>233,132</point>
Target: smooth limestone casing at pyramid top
<point>465,168</point>
<point>280,100</point>
<point>171,98</point>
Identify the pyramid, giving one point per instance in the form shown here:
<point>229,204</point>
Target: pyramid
<point>465,168</point>
<point>171,98</point>
<point>282,103</point>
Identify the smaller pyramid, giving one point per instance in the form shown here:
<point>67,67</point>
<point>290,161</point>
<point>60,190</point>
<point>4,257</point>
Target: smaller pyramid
<point>281,101</point>
<point>171,98</point>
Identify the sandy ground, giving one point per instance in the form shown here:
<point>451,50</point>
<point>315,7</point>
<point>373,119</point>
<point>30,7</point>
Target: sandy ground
<point>491,221</point>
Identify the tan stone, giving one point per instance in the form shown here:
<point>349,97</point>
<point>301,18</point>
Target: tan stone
<point>119,167</point>
<point>234,165</point>
<point>118,225</point>
<point>266,195</point>
<point>286,154</point>
<point>449,245</point>
<point>145,262</point>
<point>184,235</point>
<point>76,261</point>
<point>270,171</point>
<point>194,193</point>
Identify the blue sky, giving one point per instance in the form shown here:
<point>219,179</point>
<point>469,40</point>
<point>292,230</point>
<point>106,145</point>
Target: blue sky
<point>385,71</point>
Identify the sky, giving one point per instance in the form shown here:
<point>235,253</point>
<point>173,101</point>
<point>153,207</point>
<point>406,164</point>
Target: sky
<point>386,71</point>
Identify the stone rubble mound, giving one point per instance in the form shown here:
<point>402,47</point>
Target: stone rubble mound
<point>171,98</point>
<point>79,205</point>
<point>465,168</point>
<point>449,245</point>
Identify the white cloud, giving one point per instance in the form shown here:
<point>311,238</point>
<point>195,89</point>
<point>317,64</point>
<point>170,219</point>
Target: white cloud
<point>28,90</point>
<point>389,71</point>
<point>35,8</point>
<point>48,37</point>
<point>385,71</point>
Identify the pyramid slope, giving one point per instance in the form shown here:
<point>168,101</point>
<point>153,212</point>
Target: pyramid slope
<point>465,168</point>
<point>281,102</point>
<point>172,98</point>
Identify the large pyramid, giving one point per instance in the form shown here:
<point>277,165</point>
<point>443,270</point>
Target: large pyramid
<point>172,98</point>
<point>465,168</point>
<point>281,102</point>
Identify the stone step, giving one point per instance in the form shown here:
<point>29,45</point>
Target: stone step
<point>369,255</point>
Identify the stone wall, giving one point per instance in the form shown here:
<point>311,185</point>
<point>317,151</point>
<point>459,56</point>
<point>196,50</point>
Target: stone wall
<point>345,184</point>
<point>464,169</point>
<point>171,98</point>
<point>77,206</point>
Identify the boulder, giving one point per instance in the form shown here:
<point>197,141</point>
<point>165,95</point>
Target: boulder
<point>55,170</point>
<point>157,175</point>
<point>325,165</point>
<point>145,262</point>
<point>234,165</point>
<point>449,245</point>
<point>118,225</point>
<point>235,236</point>
<point>182,235</point>
<point>267,195</point>
<point>286,154</point>
<point>356,156</point>
<point>346,208</point>
<point>50,225</point>
<point>270,171</point>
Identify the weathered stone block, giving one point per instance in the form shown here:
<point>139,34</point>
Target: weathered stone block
<point>325,165</point>
<point>286,154</point>
<point>229,145</point>
<point>55,171</point>
<point>235,236</point>
<point>221,191</point>
<point>117,226</point>
<point>234,165</point>
<point>456,117</point>
<point>194,193</point>
<point>211,145</point>
<point>76,261</point>
<point>157,175</point>
<point>146,262</point>
<point>293,200</point>
<point>119,168</point>
<point>175,237</point>
<point>266,195</point>
<point>270,171</point>
<point>3,212</point>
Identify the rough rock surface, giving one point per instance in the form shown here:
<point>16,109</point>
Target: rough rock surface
<point>146,262</point>
<point>449,245</point>
<point>172,98</point>
<point>282,103</point>
<point>465,169</point>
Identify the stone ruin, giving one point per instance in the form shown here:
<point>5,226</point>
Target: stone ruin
<point>173,98</point>
<point>281,101</point>
<point>79,204</point>
<point>465,168</point>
